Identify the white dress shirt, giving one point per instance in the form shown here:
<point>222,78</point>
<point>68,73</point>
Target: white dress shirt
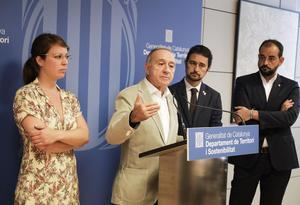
<point>268,86</point>
<point>163,112</point>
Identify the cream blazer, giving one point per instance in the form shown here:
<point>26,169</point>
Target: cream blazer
<point>136,182</point>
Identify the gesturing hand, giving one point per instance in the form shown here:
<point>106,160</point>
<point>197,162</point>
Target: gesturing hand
<point>142,111</point>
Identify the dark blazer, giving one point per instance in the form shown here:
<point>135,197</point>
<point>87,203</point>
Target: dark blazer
<point>203,117</point>
<point>273,123</point>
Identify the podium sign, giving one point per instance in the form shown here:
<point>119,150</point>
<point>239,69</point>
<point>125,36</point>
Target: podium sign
<point>216,142</point>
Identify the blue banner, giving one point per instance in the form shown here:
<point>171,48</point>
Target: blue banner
<point>215,142</point>
<point>109,40</point>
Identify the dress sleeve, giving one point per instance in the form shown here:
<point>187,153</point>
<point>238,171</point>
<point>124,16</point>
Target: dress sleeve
<point>24,105</point>
<point>75,106</point>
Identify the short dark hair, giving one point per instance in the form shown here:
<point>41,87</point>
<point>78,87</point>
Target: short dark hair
<point>201,50</point>
<point>270,42</point>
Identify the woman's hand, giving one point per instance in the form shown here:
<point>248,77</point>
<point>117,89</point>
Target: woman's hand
<point>42,136</point>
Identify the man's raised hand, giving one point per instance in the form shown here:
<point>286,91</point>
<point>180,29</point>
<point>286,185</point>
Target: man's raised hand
<point>142,111</point>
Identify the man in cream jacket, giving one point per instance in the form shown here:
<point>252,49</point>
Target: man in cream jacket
<point>145,118</point>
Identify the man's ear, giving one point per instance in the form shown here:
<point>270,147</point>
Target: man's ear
<point>147,69</point>
<point>281,59</point>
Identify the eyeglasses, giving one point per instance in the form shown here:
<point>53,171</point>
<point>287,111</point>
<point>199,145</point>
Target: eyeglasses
<point>58,56</point>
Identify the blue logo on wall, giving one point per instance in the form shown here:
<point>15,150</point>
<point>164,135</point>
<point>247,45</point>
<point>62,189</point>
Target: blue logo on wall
<point>109,41</point>
<point>102,39</point>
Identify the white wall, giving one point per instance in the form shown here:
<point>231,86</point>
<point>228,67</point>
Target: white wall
<point>218,33</point>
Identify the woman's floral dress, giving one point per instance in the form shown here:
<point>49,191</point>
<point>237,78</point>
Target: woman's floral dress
<point>46,178</point>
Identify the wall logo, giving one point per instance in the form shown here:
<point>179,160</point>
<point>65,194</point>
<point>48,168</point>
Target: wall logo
<point>103,54</point>
<point>179,51</point>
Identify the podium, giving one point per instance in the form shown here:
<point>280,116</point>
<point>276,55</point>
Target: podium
<point>182,182</point>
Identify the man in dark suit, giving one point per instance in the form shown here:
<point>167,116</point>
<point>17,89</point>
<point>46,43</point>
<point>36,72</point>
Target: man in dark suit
<point>270,100</point>
<point>197,64</point>
<point>193,97</point>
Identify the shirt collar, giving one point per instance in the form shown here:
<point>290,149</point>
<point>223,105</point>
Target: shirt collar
<point>154,91</point>
<point>189,86</point>
<point>271,81</point>
<point>39,89</point>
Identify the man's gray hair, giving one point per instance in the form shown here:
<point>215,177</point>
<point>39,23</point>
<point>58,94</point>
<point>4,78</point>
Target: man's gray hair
<point>148,59</point>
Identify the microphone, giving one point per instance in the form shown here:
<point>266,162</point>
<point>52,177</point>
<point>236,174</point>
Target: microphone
<point>180,116</point>
<point>216,109</point>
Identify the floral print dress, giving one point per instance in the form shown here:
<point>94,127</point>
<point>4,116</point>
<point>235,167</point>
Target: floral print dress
<point>46,178</point>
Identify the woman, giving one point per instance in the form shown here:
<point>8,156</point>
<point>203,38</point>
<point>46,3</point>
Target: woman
<point>51,124</point>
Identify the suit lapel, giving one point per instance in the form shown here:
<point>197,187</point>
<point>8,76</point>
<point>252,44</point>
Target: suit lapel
<point>203,97</point>
<point>260,91</point>
<point>147,99</point>
<point>182,100</point>
<point>173,116</point>
<point>275,90</point>
<point>157,121</point>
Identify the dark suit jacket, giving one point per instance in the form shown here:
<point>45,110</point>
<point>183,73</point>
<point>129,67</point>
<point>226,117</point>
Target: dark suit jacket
<point>273,123</point>
<point>203,117</point>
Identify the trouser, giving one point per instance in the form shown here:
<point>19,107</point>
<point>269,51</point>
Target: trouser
<point>272,183</point>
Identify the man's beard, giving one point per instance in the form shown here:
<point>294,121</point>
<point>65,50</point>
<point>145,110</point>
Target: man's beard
<point>266,71</point>
<point>194,78</point>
